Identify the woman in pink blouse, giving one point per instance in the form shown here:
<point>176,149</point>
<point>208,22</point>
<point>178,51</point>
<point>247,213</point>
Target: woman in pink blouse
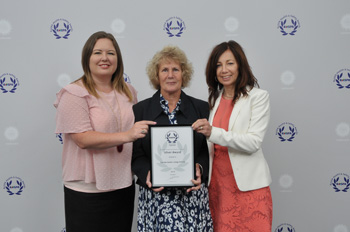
<point>94,113</point>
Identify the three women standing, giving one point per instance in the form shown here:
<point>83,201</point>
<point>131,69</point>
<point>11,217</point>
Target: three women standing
<point>96,116</point>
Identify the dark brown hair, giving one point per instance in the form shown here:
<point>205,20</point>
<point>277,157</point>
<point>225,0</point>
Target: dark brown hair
<point>117,80</point>
<point>245,80</point>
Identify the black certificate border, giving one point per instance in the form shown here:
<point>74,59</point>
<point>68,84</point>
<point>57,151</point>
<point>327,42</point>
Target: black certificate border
<point>183,185</point>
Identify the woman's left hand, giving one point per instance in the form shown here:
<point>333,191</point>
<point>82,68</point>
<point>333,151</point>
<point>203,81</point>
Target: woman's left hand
<point>197,183</point>
<point>149,184</point>
<point>202,126</point>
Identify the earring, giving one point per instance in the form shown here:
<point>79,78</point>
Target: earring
<point>216,79</point>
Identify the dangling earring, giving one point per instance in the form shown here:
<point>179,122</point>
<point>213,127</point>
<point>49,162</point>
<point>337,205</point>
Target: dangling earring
<point>216,79</point>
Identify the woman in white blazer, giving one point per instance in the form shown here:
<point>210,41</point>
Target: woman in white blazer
<point>239,193</point>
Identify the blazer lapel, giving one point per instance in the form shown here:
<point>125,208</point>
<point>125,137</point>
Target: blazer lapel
<point>215,108</point>
<point>235,112</point>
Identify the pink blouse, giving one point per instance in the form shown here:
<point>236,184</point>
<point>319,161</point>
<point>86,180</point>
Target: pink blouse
<point>78,111</point>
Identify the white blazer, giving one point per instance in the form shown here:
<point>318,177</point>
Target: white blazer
<point>247,126</point>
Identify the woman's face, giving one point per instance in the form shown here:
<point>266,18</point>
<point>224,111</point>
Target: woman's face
<point>227,69</point>
<point>170,77</point>
<point>103,60</point>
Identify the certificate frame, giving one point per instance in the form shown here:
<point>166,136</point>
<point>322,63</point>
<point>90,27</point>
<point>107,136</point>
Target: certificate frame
<point>172,155</point>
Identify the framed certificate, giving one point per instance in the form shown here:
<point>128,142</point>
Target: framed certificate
<point>172,155</point>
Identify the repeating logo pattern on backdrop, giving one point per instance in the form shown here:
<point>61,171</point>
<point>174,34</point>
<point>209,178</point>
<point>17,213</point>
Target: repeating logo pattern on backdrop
<point>345,23</point>
<point>8,83</point>
<point>174,26</point>
<point>231,25</point>
<point>14,186</point>
<point>286,132</point>
<point>340,228</point>
<point>343,130</point>
<point>16,229</point>
<point>288,79</point>
<point>61,28</point>
<point>342,78</point>
<point>59,136</point>
<point>127,78</point>
<point>286,182</point>
<point>118,27</point>
<point>288,25</point>
<point>63,80</point>
<point>11,134</point>
<point>340,182</point>
<point>285,228</point>
<point>5,29</point>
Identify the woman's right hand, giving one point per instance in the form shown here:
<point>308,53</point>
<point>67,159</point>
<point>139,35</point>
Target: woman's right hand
<point>202,126</point>
<point>149,184</point>
<point>139,130</point>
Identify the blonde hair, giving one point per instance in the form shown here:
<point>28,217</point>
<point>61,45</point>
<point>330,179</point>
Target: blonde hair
<point>169,53</point>
<point>117,80</point>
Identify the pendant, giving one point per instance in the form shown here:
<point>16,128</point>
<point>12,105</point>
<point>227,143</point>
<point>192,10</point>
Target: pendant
<point>120,148</point>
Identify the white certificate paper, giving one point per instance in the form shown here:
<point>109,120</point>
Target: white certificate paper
<point>172,154</point>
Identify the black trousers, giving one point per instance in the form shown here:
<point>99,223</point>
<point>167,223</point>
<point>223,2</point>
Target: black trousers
<point>107,212</point>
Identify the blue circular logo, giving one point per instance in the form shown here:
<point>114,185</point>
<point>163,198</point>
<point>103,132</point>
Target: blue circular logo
<point>14,186</point>
<point>288,25</point>
<point>174,26</point>
<point>171,136</point>
<point>342,79</point>
<point>286,132</point>
<point>61,28</point>
<point>126,78</point>
<point>8,83</point>
<point>285,228</point>
<point>340,182</point>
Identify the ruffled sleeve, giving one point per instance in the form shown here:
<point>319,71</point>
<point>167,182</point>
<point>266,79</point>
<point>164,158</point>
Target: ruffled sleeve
<point>72,106</point>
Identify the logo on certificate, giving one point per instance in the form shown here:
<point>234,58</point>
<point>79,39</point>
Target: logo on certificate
<point>171,137</point>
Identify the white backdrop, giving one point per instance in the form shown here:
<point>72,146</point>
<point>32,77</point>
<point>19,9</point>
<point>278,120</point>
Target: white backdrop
<point>298,50</point>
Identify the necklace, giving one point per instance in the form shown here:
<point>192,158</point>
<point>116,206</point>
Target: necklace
<point>119,122</point>
<point>227,96</point>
